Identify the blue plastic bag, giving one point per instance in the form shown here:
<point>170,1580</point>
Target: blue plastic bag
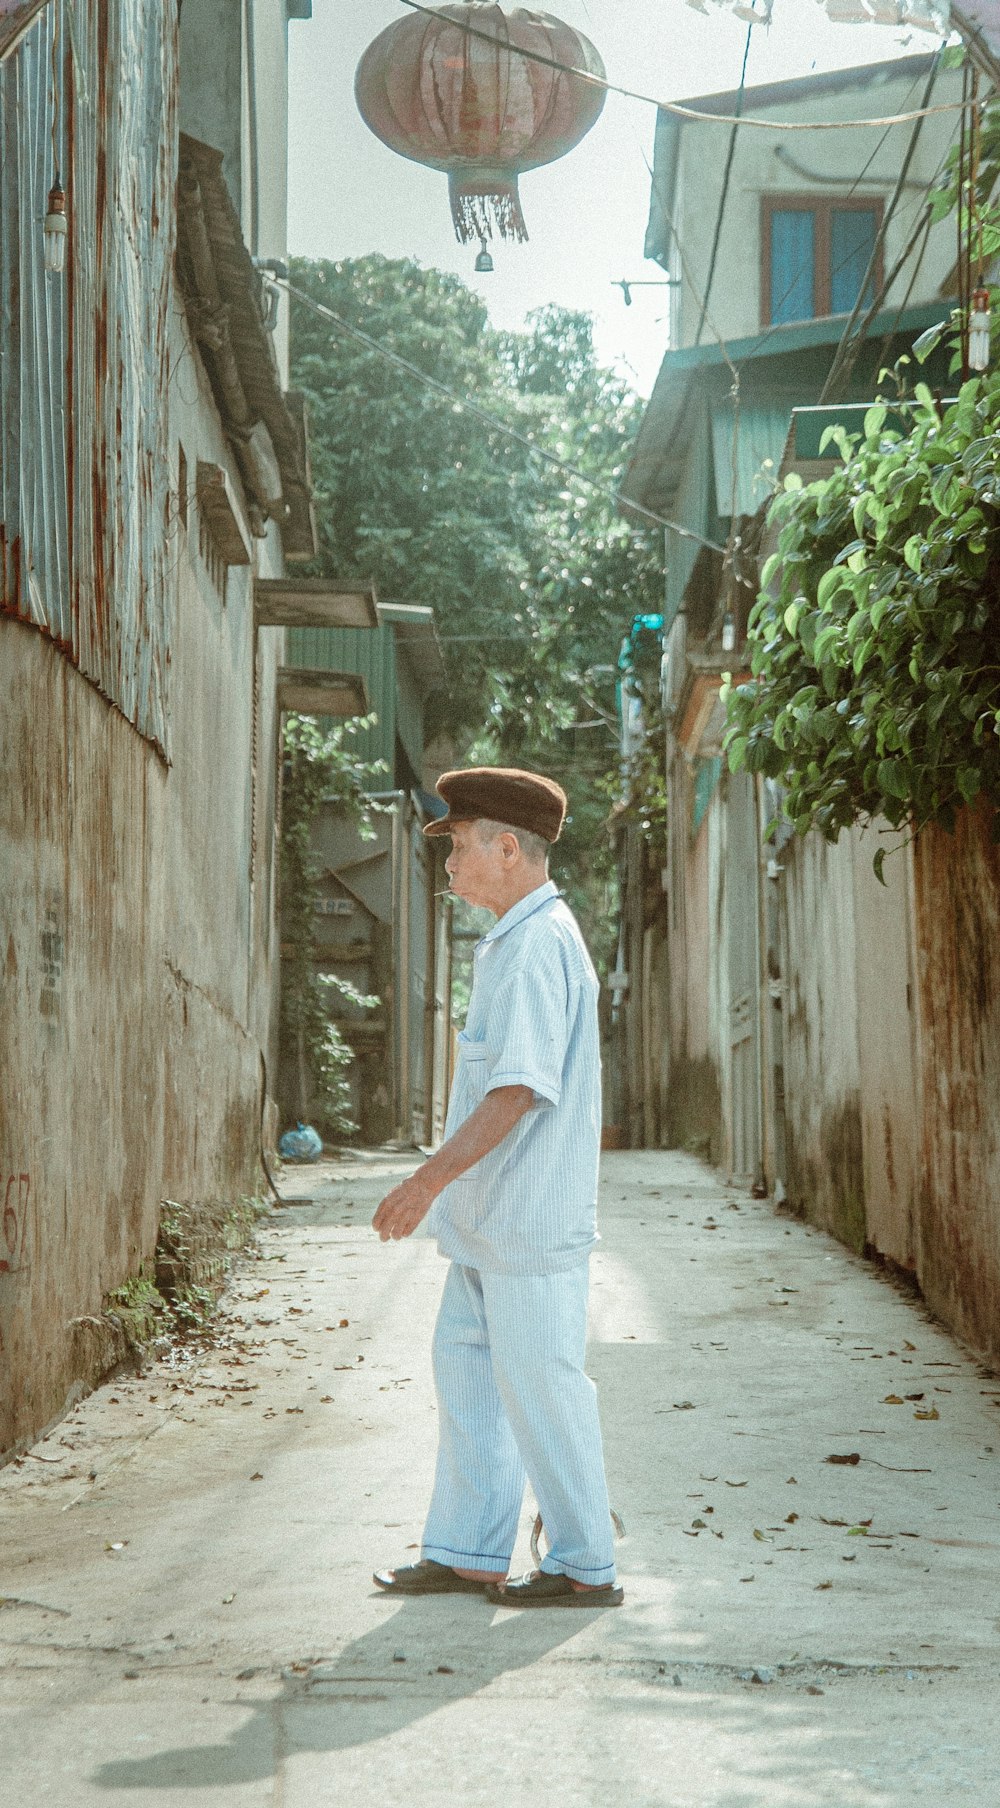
<point>300,1144</point>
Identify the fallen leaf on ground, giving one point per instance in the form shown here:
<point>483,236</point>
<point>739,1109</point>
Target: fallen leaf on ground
<point>853,1456</point>
<point>893,1400</point>
<point>820,1585</point>
<point>932,1413</point>
<point>257,1476</point>
<point>733,1484</point>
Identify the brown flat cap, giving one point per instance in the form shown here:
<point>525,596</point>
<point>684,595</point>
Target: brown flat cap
<point>527,800</point>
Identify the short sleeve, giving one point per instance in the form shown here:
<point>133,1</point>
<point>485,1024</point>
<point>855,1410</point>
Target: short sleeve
<point>527,1030</point>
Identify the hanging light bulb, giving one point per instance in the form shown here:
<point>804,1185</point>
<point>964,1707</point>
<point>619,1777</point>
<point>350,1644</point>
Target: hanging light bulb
<point>56,228</point>
<point>484,262</point>
<point>979,330</point>
<point>728,633</point>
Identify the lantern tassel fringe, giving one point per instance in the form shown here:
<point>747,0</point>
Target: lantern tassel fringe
<point>480,213</point>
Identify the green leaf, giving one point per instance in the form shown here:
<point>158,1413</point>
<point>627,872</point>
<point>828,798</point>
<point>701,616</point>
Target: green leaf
<point>969,781</point>
<point>828,586</point>
<point>877,865</point>
<point>770,566</point>
<point>791,616</point>
<point>892,777</point>
<point>912,553</point>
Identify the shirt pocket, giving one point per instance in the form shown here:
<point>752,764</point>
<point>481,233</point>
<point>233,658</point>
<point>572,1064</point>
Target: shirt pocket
<point>475,1071</point>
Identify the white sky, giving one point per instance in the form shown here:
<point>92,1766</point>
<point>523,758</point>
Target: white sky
<point>586,214</point>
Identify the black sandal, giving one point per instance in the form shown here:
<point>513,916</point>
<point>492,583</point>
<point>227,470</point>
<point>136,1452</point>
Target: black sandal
<point>426,1578</point>
<point>539,1589</point>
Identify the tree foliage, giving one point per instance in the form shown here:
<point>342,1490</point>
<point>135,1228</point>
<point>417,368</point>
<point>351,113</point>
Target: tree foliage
<point>534,578</point>
<point>876,674</point>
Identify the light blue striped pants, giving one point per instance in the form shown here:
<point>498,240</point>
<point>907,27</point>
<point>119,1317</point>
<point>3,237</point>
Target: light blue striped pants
<point>514,1401</point>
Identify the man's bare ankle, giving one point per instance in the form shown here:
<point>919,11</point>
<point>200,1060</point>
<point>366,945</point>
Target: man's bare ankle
<point>481,1575</point>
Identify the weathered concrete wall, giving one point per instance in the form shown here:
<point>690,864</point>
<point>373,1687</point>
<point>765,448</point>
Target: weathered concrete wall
<point>137,929</point>
<point>137,913</point>
<point>892,1059</point>
<point>693,1106</point>
<point>850,1043</point>
<point>888,1024</point>
<point>958,926</point>
<point>823,1124</point>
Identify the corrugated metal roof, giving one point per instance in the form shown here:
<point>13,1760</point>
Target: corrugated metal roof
<point>84,468</point>
<point>786,364</point>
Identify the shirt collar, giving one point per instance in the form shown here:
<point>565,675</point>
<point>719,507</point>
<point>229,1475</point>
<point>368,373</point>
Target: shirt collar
<point>525,907</point>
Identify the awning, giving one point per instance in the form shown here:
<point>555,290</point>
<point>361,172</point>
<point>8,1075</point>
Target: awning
<point>415,632</point>
<point>318,693</point>
<point>314,603</point>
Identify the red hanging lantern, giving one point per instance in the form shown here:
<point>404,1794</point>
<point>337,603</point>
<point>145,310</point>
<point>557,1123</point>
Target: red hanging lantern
<point>476,108</point>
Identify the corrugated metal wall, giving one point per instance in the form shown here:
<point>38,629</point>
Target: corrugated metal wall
<point>84,477</point>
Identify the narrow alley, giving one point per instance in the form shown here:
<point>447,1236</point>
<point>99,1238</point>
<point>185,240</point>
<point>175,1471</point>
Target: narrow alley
<point>806,1464</point>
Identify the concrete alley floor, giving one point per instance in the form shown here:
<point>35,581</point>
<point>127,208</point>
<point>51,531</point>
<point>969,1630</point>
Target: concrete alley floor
<point>187,1613</point>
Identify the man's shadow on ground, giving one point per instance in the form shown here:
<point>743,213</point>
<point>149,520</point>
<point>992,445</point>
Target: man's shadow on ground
<point>380,1697</point>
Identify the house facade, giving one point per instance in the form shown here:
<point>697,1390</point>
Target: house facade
<point>770,267</point>
<point>827,1039</point>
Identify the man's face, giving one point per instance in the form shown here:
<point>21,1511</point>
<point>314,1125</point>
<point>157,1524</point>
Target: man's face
<point>476,868</point>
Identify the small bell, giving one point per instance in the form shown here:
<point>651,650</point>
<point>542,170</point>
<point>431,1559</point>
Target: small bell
<point>979,330</point>
<point>56,229</point>
<point>484,262</point>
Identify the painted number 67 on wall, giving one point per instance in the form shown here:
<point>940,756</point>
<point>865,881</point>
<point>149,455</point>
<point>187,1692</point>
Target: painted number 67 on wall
<point>15,1192</point>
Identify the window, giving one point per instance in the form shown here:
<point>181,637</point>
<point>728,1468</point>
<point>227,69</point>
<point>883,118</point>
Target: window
<point>815,254</point>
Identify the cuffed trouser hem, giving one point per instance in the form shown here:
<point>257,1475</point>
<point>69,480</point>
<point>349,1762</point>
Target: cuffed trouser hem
<point>439,1553</point>
<point>595,1578</point>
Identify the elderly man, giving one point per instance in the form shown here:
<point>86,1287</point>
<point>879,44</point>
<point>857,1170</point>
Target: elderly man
<point>511,1195</point>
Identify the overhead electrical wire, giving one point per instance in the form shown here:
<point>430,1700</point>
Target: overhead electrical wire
<point>464,405</point>
<point>675,106</point>
<point>845,357</point>
<point>724,195</point>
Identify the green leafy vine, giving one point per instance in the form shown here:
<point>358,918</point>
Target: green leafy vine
<point>875,640</point>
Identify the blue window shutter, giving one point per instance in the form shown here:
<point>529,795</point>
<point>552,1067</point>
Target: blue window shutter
<point>852,237</point>
<point>793,252</point>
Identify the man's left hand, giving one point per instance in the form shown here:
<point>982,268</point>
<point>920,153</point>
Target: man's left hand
<point>403,1209</point>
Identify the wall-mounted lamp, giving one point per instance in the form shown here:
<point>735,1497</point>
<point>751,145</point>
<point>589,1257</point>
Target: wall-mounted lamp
<point>728,633</point>
<point>56,228</point>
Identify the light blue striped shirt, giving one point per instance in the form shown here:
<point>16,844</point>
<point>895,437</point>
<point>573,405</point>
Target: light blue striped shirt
<point>529,1206</point>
